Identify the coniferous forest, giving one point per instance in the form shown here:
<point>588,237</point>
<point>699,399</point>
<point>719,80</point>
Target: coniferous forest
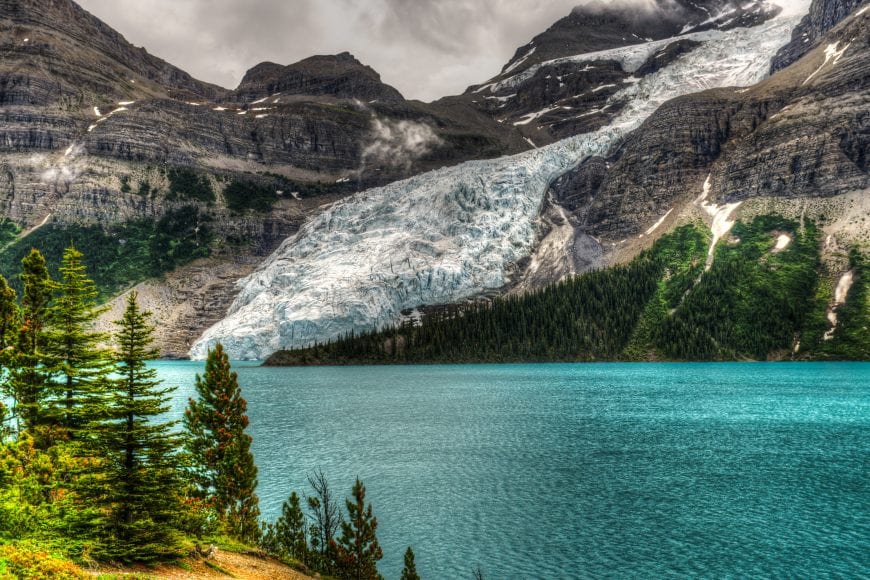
<point>754,302</point>
<point>92,472</point>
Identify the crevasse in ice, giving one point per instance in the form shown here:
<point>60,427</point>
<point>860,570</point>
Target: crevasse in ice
<point>449,234</point>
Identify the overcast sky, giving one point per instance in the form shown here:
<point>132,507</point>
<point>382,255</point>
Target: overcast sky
<point>425,48</point>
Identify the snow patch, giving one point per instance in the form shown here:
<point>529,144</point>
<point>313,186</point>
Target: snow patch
<point>831,55</point>
<point>126,103</point>
<point>97,112</point>
<point>722,222</point>
<point>521,60</point>
<point>656,225</point>
<point>840,295</point>
<point>782,242</point>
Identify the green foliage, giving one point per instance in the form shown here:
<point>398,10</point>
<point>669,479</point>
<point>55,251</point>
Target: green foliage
<point>28,377</point>
<point>125,184</point>
<point>9,315</point>
<point>144,188</point>
<point>409,572</point>
<point>139,487</point>
<point>32,562</point>
<point>755,302</point>
<point>78,364</point>
<point>223,467</point>
<point>850,340</point>
<point>286,537</point>
<point>244,195</point>
<point>8,231</point>
<point>357,551</point>
<point>122,255</point>
<point>752,302</point>
<point>185,184</point>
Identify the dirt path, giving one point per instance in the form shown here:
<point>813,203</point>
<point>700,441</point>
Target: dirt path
<point>222,564</point>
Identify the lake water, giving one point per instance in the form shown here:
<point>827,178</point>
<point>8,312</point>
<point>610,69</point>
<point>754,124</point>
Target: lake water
<point>576,471</point>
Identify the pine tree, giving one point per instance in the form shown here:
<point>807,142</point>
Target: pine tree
<point>289,531</point>
<point>74,354</point>
<point>222,463</point>
<point>409,572</point>
<point>140,471</point>
<point>8,315</point>
<point>357,551</point>
<point>29,378</point>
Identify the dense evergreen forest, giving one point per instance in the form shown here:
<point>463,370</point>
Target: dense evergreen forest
<point>756,302</point>
<point>92,471</point>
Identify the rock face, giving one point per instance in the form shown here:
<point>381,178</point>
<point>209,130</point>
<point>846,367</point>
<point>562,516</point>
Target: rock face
<point>75,93</point>
<point>802,133</point>
<point>563,81</point>
<point>456,233</point>
<point>823,16</point>
<point>340,76</point>
<point>92,129</point>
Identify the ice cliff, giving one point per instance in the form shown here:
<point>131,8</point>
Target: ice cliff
<point>449,234</point>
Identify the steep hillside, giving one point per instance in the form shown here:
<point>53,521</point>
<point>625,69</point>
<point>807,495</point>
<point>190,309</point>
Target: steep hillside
<point>756,286</point>
<point>564,81</point>
<point>101,141</point>
<point>454,234</point>
<point>764,297</point>
<point>822,17</point>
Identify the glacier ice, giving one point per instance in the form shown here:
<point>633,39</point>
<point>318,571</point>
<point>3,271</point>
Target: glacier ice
<point>449,234</point>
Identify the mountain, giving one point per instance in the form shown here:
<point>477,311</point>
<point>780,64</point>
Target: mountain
<point>562,83</point>
<point>314,200</point>
<point>101,141</point>
<point>777,169</point>
<point>822,17</point>
<point>339,76</point>
<point>385,253</point>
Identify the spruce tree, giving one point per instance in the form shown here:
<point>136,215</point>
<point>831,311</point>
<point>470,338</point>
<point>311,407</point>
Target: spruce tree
<point>288,532</point>
<point>140,471</point>
<point>357,551</point>
<point>409,572</point>
<point>223,466</point>
<point>74,353</point>
<point>29,380</point>
<point>8,315</point>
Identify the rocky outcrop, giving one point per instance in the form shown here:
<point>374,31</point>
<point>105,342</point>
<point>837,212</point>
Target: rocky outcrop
<point>823,16</point>
<point>341,76</point>
<point>562,82</point>
<point>803,133</point>
<point>79,98</point>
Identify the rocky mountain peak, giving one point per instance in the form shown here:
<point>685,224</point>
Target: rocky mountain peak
<point>84,55</point>
<point>822,17</point>
<point>340,76</point>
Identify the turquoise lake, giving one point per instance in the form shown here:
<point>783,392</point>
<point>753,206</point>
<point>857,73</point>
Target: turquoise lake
<point>580,471</point>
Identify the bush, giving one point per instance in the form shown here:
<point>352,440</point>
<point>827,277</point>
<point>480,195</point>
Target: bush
<point>184,184</point>
<point>244,195</point>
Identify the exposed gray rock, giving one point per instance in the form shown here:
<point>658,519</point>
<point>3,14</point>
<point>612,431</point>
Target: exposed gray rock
<point>801,133</point>
<point>823,16</point>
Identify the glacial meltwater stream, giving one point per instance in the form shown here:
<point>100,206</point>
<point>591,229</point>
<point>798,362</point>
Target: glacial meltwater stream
<point>580,471</point>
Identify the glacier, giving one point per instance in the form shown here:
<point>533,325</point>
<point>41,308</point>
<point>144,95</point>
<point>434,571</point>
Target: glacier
<point>453,233</point>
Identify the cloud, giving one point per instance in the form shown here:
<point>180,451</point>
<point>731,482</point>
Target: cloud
<point>425,48</point>
<point>398,143</point>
